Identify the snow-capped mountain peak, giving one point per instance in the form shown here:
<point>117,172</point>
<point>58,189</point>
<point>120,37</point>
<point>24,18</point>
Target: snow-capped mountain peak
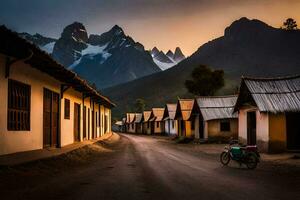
<point>168,60</point>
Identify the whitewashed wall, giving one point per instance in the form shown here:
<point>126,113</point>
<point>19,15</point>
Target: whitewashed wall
<point>17,141</point>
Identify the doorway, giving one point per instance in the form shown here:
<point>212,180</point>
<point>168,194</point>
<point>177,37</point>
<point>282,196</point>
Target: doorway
<point>84,122</point>
<point>76,122</point>
<point>293,131</point>
<point>251,128</point>
<point>50,118</point>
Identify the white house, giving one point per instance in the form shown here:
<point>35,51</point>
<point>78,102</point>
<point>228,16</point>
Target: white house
<point>171,125</point>
<point>44,104</point>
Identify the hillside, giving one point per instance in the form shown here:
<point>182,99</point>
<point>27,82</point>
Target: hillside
<point>248,47</point>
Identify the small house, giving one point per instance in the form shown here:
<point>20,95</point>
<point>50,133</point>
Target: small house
<point>138,121</point>
<point>269,113</point>
<point>187,114</point>
<point>171,124</point>
<point>217,120</point>
<point>130,125</point>
<point>148,124</point>
<point>159,126</point>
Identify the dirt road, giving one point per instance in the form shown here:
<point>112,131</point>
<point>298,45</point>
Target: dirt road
<point>142,167</point>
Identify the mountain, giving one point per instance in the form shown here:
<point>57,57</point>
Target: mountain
<point>248,47</point>
<point>166,61</point>
<point>45,43</point>
<point>178,55</point>
<point>108,59</point>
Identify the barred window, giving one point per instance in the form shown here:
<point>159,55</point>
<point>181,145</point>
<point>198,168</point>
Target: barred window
<point>18,116</point>
<point>67,109</point>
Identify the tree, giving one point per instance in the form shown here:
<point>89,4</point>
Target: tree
<point>290,24</point>
<point>139,105</point>
<point>205,81</point>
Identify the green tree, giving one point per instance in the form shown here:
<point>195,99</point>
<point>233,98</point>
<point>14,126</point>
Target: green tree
<point>139,105</point>
<point>290,24</point>
<point>205,81</point>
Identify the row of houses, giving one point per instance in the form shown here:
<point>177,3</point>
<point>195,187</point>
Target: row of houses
<point>43,104</point>
<point>265,113</point>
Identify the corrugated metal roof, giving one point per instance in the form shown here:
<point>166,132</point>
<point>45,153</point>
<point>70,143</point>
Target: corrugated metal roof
<point>138,117</point>
<point>147,115</point>
<point>274,95</point>
<point>158,113</point>
<point>171,109</point>
<point>217,107</point>
<point>186,108</point>
<point>130,117</point>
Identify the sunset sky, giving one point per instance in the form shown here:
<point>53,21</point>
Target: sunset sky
<point>162,23</point>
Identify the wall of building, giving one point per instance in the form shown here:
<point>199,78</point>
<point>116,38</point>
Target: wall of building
<point>262,127</point>
<point>146,129</point>
<point>159,127</point>
<point>188,129</point>
<point>196,132</point>
<point>169,129</point>
<point>131,128</point>
<point>215,133</point>
<point>67,125</point>
<point>277,132</point>
<point>17,141</point>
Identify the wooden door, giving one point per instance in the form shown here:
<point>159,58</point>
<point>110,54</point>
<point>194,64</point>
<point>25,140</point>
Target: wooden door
<point>47,118</point>
<point>84,122</point>
<point>50,118</point>
<point>55,118</point>
<point>251,128</point>
<point>88,124</point>
<point>293,131</point>
<point>93,124</point>
<point>201,129</point>
<point>76,122</point>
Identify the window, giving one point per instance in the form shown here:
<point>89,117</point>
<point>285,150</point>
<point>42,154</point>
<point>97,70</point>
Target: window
<point>18,116</point>
<point>225,125</point>
<point>132,126</point>
<point>148,124</point>
<point>173,124</point>
<point>67,109</point>
<point>157,124</point>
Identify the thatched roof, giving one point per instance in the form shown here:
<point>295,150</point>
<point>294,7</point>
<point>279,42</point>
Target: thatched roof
<point>275,95</point>
<point>217,107</point>
<point>185,108</point>
<point>11,44</point>
<point>130,117</point>
<point>148,116</point>
<point>138,117</point>
<point>158,113</point>
<point>170,111</point>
